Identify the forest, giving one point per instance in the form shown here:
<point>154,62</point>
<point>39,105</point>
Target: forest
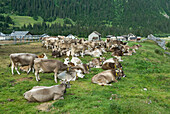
<point>105,16</point>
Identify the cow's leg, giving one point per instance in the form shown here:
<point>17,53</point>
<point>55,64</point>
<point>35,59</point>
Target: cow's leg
<point>56,96</point>
<point>16,68</point>
<point>12,68</point>
<point>37,76</point>
<point>103,84</point>
<point>32,69</point>
<point>29,69</point>
<point>55,77</point>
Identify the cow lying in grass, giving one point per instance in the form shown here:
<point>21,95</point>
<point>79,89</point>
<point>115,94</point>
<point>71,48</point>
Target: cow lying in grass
<point>43,93</point>
<point>71,75</point>
<point>106,77</point>
<point>77,63</point>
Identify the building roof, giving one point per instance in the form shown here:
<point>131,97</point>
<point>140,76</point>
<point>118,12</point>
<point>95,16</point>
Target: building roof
<point>45,35</point>
<point>19,33</point>
<point>2,34</point>
<point>109,36</point>
<point>130,34</point>
<point>133,38</point>
<point>96,33</point>
<point>71,36</point>
<point>120,37</point>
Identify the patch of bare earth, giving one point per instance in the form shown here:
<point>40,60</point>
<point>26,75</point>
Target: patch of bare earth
<point>45,106</point>
<point>24,79</point>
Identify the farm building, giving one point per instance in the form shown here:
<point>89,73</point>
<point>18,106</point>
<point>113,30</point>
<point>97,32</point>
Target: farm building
<point>71,36</point>
<point>132,38</point>
<point>20,34</point>
<point>121,38</point>
<point>45,35</point>
<point>2,36</point>
<point>126,37</point>
<point>113,38</point>
<point>109,36</point>
<point>94,36</point>
<point>139,38</point>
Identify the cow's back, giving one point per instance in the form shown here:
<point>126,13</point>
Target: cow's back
<point>23,58</point>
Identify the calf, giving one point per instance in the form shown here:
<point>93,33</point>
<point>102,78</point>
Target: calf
<point>43,93</point>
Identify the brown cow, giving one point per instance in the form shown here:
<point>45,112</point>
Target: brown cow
<point>48,66</point>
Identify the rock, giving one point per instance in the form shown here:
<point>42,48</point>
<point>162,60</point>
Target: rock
<point>113,96</point>
<point>10,100</point>
<point>159,41</point>
<point>145,89</point>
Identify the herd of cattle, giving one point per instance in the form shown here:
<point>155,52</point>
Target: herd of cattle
<point>70,70</point>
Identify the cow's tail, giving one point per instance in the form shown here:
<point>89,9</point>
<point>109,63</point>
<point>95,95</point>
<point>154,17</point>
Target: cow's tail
<point>9,65</point>
<point>10,62</point>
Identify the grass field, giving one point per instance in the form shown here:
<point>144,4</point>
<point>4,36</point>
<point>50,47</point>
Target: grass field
<point>147,69</point>
<point>21,20</point>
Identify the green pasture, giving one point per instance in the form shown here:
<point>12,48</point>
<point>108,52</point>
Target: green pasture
<point>148,69</point>
<point>21,20</point>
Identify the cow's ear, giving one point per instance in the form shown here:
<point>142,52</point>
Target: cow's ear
<point>111,65</point>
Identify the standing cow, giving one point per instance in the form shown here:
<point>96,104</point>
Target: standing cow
<point>22,59</point>
<point>48,66</point>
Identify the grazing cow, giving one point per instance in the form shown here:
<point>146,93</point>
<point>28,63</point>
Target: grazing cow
<point>43,93</point>
<point>48,66</point>
<point>22,59</point>
<point>106,77</point>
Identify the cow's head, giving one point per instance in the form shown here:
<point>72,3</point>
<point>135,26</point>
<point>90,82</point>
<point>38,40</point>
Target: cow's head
<point>65,83</point>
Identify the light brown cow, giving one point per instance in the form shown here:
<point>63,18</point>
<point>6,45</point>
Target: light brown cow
<point>22,59</point>
<point>106,77</point>
<point>43,93</point>
<point>48,66</point>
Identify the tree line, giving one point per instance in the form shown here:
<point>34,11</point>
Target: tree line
<point>108,16</point>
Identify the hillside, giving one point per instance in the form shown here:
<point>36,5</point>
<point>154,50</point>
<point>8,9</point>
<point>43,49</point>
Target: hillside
<point>118,16</point>
<point>144,90</point>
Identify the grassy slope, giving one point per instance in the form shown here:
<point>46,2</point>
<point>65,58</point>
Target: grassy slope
<point>145,69</point>
<point>21,20</point>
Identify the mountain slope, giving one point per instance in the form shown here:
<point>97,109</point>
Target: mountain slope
<point>132,15</point>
